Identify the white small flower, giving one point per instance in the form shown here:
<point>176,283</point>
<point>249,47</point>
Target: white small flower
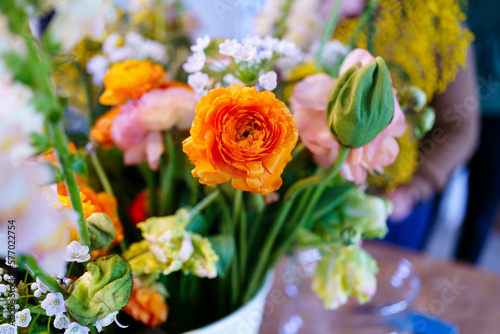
<point>97,67</point>
<point>61,321</point>
<point>231,79</point>
<point>198,81</point>
<point>8,329</point>
<point>3,288</point>
<point>245,52</point>
<point>228,47</point>
<point>287,49</point>
<point>220,65</point>
<point>37,293</point>
<point>252,40</point>
<point>269,80</point>
<point>53,304</point>
<point>76,328</point>
<point>201,44</point>
<point>264,55</point>
<point>41,287</point>
<point>75,252</point>
<point>155,51</point>
<point>269,42</point>
<point>108,320</point>
<point>134,39</point>
<point>195,62</point>
<point>23,318</point>
<point>110,44</point>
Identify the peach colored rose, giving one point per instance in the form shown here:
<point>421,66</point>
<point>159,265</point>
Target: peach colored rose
<point>309,102</point>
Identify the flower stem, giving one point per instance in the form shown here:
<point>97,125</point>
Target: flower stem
<point>243,241</point>
<point>167,184</point>
<point>101,174</point>
<point>151,184</point>
<point>266,249</point>
<point>362,21</point>
<point>69,269</point>
<point>61,147</point>
<point>203,204</point>
<point>319,178</point>
<point>316,196</point>
<point>329,29</point>
<point>29,263</point>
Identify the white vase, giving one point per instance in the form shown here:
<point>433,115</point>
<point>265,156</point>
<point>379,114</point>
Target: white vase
<point>246,319</point>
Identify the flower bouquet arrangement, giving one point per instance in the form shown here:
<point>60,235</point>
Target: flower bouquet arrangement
<point>194,180</point>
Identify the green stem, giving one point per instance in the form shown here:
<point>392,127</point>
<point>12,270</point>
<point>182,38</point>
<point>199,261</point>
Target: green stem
<point>203,204</point>
<point>69,269</point>
<point>318,192</point>
<point>167,184</point>
<point>48,324</point>
<point>243,241</point>
<point>101,174</point>
<point>329,29</point>
<point>266,250</point>
<point>363,20</point>
<point>319,178</point>
<point>61,147</point>
<point>151,184</point>
<point>34,321</point>
<point>88,91</point>
<point>30,264</point>
<point>238,202</point>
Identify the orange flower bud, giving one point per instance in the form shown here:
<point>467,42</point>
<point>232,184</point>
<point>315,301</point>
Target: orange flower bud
<point>130,80</point>
<point>147,306</point>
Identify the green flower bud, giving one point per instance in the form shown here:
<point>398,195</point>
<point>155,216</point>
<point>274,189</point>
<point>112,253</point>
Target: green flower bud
<point>101,231</point>
<point>361,104</point>
<point>414,98</point>
<point>103,289</point>
<point>425,122</point>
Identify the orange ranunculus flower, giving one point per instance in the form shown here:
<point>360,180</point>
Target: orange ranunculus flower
<point>147,306</point>
<point>93,202</point>
<point>101,130</point>
<point>130,80</point>
<point>243,135</point>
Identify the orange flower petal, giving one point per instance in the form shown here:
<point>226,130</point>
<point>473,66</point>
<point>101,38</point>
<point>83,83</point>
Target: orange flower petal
<point>242,135</point>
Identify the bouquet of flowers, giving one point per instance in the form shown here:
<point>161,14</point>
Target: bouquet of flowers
<point>191,184</point>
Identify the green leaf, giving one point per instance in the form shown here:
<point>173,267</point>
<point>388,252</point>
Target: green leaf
<point>40,142</point>
<point>224,246</point>
<point>77,163</point>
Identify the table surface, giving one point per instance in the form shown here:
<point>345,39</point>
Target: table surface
<point>462,294</point>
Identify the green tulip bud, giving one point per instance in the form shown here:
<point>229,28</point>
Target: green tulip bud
<point>361,104</point>
<point>101,230</point>
<point>103,289</point>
